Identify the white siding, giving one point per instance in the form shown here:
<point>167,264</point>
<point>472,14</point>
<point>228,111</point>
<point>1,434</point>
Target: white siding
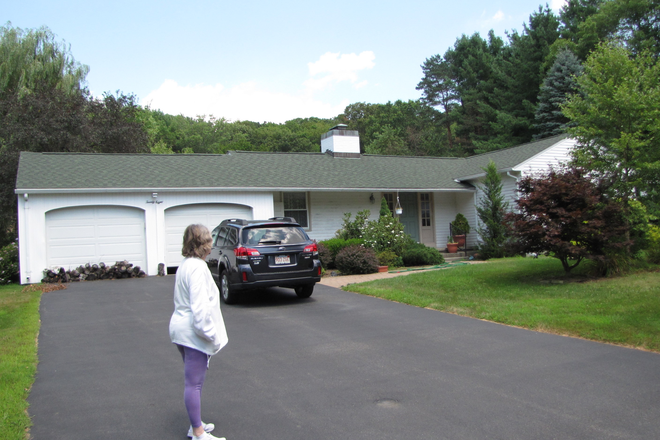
<point>327,210</point>
<point>447,205</point>
<point>341,144</point>
<point>558,153</point>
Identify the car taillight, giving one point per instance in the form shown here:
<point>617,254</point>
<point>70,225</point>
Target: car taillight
<point>311,248</point>
<point>246,252</point>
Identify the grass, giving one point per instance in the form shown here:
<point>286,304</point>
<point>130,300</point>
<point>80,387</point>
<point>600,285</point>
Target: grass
<point>19,328</point>
<point>536,294</point>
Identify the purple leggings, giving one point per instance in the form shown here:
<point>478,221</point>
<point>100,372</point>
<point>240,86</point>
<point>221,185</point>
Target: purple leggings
<point>195,364</point>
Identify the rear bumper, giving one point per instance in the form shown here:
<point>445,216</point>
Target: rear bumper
<point>244,278</point>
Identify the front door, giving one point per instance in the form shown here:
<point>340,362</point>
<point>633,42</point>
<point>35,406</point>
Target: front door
<point>426,227</point>
<point>409,216</point>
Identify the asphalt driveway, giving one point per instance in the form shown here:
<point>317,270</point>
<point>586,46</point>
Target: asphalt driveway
<point>336,366</point>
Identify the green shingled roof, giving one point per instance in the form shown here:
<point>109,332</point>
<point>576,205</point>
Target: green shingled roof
<point>257,170</point>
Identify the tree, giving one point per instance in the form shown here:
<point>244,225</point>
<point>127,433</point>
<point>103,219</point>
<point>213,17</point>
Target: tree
<point>32,61</point>
<point>569,216</point>
<point>491,210</point>
<point>634,22</point>
<point>573,13</point>
<point>558,86</point>
<point>439,89</point>
<point>617,122</point>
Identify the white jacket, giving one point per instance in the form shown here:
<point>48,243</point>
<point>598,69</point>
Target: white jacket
<point>197,320</point>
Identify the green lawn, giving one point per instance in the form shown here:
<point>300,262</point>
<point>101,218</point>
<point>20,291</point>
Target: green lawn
<point>19,327</point>
<point>536,294</point>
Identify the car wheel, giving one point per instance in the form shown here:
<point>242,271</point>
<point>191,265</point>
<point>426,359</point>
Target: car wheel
<point>228,297</point>
<point>305,291</point>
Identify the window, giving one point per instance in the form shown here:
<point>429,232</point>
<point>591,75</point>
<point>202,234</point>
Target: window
<point>232,238</point>
<point>425,200</point>
<point>295,206</point>
<point>221,236</point>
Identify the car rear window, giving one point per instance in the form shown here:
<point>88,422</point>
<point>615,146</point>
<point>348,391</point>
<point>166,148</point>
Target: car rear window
<point>266,235</point>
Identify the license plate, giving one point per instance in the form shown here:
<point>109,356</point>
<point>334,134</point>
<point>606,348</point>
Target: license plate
<point>282,259</point>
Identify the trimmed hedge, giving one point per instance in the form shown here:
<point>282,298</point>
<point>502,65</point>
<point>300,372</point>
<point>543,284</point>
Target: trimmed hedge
<point>421,255</point>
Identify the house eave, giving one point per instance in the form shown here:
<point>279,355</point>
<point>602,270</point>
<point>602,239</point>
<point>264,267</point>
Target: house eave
<point>477,176</point>
<point>19,191</point>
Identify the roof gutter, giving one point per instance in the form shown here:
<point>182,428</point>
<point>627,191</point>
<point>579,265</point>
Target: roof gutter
<point>226,189</point>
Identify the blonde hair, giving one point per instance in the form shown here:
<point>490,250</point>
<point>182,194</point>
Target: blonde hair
<point>196,241</point>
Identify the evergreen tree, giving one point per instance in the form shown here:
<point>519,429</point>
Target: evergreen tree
<point>560,83</point>
<point>491,209</point>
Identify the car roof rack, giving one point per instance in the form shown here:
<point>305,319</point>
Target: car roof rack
<point>283,219</point>
<point>238,221</point>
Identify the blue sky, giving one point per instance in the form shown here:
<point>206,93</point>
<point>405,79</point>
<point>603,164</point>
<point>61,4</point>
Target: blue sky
<point>261,60</point>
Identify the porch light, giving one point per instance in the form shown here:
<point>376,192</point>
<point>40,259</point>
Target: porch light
<point>398,209</point>
<point>372,199</point>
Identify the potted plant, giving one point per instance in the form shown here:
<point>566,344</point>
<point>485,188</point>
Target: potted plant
<point>460,227</point>
<point>452,245</point>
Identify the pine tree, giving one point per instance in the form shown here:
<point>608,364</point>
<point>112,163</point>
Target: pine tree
<point>558,85</point>
<point>491,210</point>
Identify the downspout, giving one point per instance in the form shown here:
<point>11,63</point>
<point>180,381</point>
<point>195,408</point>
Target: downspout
<point>28,272</point>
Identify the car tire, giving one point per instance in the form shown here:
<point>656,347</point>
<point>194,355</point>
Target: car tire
<point>226,294</point>
<point>304,291</point>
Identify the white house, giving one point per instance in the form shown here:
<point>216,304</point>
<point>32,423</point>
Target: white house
<point>75,208</point>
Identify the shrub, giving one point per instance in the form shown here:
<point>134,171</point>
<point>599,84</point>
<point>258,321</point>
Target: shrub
<point>421,255</point>
<point>460,225</point>
<point>654,244</point>
<point>386,233</point>
<point>353,229</point>
<point>332,247</point>
<point>9,264</point>
<point>356,260</point>
<point>324,255</point>
<point>389,258</point>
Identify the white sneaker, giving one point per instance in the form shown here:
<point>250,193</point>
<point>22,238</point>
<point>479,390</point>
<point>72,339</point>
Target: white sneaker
<point>207,436</point>
<point>208,427</point>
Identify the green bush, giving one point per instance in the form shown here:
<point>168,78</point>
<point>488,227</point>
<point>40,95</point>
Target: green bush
<point>421,255</point>
<point>9,264</point>
<point>653,250</point>
<point>356,260</point>
<point>386,233</point>
<point>460,225</point>
<point>389,258</point>
<point>328,249</point>
<point>353,229</point>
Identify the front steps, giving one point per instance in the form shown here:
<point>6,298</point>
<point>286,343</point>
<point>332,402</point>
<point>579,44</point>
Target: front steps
<point>458,256</point>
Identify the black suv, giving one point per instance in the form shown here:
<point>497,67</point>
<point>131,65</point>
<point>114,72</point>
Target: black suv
<point>249,254</point>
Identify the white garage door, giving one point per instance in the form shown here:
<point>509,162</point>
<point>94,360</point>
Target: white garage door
<point>95,234</point>
<point>209,215</point>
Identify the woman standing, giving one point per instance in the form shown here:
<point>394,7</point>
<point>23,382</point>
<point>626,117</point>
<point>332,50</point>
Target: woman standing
<point>196,327</point>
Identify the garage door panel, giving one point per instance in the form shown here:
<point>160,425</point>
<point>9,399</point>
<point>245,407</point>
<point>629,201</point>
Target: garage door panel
<point>64,232</point>
<point>209,215</point>
<point>95,234</point>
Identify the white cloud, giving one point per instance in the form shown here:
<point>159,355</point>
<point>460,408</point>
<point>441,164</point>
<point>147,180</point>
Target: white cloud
<point>499,16</point>
<point>556,5</point>
<point>249,101</point>
<point>245,101</point>
<point>335,68</point>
